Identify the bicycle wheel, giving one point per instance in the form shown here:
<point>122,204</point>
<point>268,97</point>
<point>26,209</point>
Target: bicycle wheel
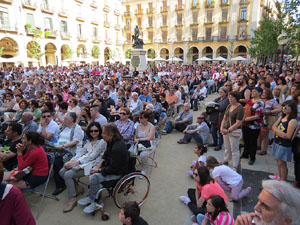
<point>133,187</point>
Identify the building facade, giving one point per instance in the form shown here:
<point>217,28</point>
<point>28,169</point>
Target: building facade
<point>190,29</point>
<point>81,30</point>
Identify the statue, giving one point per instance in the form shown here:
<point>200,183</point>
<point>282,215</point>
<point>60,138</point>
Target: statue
<point>137,42</point>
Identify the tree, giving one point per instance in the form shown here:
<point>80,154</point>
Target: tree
<point>95,52</point>
<point>127,54</point>
<point>1,50</point>
<point>67,51</point>
<point>34,49</point>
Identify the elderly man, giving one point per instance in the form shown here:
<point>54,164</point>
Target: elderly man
<point>278,204</point>
<point>135,105</point>
<point>48,127</point>
<point>29,124</point>
<point>181,121</point>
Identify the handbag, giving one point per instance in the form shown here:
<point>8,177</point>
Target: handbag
<point>133,150</point>
<point>236,132</point>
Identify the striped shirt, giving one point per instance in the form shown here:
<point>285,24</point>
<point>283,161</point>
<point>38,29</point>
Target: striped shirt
<point>224,218</point>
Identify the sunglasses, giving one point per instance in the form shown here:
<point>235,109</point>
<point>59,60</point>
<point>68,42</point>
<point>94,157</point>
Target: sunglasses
<point>122,113</point>
<point>200,118</point>
<point>46,116</point>
<point>94,131</point>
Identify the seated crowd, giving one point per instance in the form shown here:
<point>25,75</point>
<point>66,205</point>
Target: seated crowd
<point>94,120</point>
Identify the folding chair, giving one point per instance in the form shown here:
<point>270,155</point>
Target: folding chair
<point>50,157</point>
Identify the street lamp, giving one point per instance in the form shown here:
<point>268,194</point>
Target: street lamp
<point>282,41</point>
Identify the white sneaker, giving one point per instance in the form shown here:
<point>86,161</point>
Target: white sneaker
<point>274,177</point>
<point>84,201</point>
<point>184,199</point>
<point>90,208</point>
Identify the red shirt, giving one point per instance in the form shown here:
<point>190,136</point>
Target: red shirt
<point>213,188</point>
<point>36,158</point>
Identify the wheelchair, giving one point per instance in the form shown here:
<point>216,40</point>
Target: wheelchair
<point>132,187</point>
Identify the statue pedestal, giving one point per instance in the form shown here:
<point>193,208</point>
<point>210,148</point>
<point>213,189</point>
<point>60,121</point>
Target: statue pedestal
<point>138,60</point>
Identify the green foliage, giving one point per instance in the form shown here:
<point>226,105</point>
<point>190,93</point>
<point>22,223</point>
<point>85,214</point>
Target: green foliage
<point>127,54</point>
<point>34,50</point>
<point>1,51</point>
<point>189,53</point>
<point>95,52</point>
<point>151,53</point>
<point>67,51</point>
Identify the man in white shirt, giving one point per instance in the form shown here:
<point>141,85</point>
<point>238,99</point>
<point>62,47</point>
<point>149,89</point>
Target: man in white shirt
<point>48,128</point>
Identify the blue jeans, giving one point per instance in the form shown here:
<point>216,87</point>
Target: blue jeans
<point>179,127</point>
<point>196,136</point>
<point>217,136</point>
<point>200,218</point>
<point>194,102</point>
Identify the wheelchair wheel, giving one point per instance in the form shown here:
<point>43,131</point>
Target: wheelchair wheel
<point>133,187</point>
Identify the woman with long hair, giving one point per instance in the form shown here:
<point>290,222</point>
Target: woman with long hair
<point>285,129</point>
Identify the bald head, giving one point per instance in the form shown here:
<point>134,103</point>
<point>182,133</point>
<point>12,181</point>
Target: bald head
<point>26,116</point>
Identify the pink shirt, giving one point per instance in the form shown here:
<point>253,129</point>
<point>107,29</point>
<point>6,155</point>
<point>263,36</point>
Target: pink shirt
<point>213,188</point>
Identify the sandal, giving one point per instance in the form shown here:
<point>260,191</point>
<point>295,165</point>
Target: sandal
<point>261,153</point>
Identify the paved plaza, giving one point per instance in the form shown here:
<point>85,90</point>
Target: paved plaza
<point>168,181</point>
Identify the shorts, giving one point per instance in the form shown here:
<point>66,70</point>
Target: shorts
<point>34,180</point>
<point>281,152</point>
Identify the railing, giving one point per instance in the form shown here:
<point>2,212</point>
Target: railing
<point>65,35</point>
<point>29,4</point>
<point>164,9</point>
<point>63,12</point>
<point>106,24</point>
<point>47,9</point>
<point>108,41</point>
<point>138,11</point>
<point>81,37</point>
<point>8,28</point>
<point>179,7</point>
<point>127,13</point>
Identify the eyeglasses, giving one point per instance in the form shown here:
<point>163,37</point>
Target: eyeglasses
<point>286,107</point>
<point>200,118</point>
<point>48,116</point>
<point>94,131</point>
<point>227,85</point>
<point>123,113</point>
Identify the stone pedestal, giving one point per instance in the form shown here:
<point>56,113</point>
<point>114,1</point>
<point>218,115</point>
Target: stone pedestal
<point>138,60</point>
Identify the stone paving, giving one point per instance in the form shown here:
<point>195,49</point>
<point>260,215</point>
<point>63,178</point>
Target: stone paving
<point>168,181</point>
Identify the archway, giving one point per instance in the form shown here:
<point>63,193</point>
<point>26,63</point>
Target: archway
<point>66,52</point>
<point>107,54</point>
<point>81,51</point>
<point>164,53</point>
<point>10,47</point>
<point>193,53</point>
<point>178,52</point>
<point>222,51</point>
<point>208,52</point>
<point>151,53</point>
<point>95,52</point>
<point>50,50</point>
<point>240,50</point>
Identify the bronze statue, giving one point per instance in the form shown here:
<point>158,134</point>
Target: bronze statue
<point>137,42</point>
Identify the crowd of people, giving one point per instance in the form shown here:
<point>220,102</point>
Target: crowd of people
<point>95,118</point>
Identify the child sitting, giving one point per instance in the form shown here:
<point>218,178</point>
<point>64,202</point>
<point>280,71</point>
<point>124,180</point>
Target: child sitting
<point>130,214</point>
<point>199,150</point>
<point>217,213</point>
<point>227,178</point>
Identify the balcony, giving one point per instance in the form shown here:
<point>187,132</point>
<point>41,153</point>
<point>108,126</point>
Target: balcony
<point>127,14</point>
<point>119,43</point>
<point>108,41</point>
<point>179,8</point>
<point>80,18</point>
<point>8,29</point>
<point>106,8</point>
<point>95,21</point>
<point>150,11</point>
<point>224,21</point>
<point>194,24</point>
<point>164,26</point>
<point>138,12</point>
<point>242,20</point>
<point>106,24</point>
<point>210,4</point>
<point>150,26</point>
<point>244,2</point>
<point>208,38</point>
<point>195,7</point>
<point>117,27</point>
<point>222,38</point>
<point>164,9</point>
<point>63,13</point>
<point>29,5</point>
<point>79,1</point>
<point>224,4</point>
<point>47,9</point>
<point>96,40</point>
<point>127,27</point>
<point>117,12</point>
<point>6,1</point>
<point>94,4</point>
<point>208,22</point>
<point>65,35</point>
<point>28,30</point>
<point>179,24</point>
<point>51,34</point>
<point>81,37</point>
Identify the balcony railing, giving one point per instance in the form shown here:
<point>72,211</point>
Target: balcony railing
<point>6,1</point>
<point>106,7</point>
<point>63,13</point>
<point>106,24</point>
<point>127,27</point>
<point>47,9</point>
<point>29,5</point>
<point>138,12</point>
<point>8,28</point>
<point>108,41</point>
<point>195,6</point>
<point>242,20</point>
<point>65,35</point>
<point>210,4</point>
<point>80,18</point>
<point>164,9</point>
<point>150,11</point>
<point>81,37</point>
<point>207,22</point>
<point>179,24</point>
<point>223,21</point>
<point>117,27</point>
<point>52,34</point>
<point>179,7</point>
<point>117,12</point>
<point>96,39</point>
<point>244,2</point>
<point>194,23</point>
<point>119,43</point>
<point>223,4</point>
<point>127,13</point>
<point>94,4</point>
<point>150,25</point>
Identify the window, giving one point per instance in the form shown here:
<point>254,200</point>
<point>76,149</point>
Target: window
<point>45,4</point>
<point>164,35</point>
<point>95,32</point>
<point>29,19</point>
<point>128,22</point>
<point>127,8</point>
<point>223,32</point>
<point>105,17</point>
<point>224,15</point>
<point>194,34</point>
<point>48,23</point>
<point>106,35</point>
<point>128,37</point>
<point>209,16</point>
<point>94,14</point>
<point>150,36</point>
<point>179,34</point>
<point>117,20</point>
<point>62,4</point>
<point>79,29</point>
<point>139,7</point>
<point>195,3</point>
<point>150,6</point>
<point>63,27</point>
<point>208,33</point>
<point>244,13</point>
<point>4,18</point>
<point>139,20</point>
<point>28,2</point>
<point>179,18</point>
<point>195,16</point>
<point>165,20</point>
<point>150,20</point>
<point>210,2</point>
<point>165,4</point>
<point>225,1</point>
<point>78,10</point>
<point>242,32</point>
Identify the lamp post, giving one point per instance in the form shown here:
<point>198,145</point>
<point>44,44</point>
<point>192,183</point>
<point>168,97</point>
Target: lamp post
<point>282,41</point>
